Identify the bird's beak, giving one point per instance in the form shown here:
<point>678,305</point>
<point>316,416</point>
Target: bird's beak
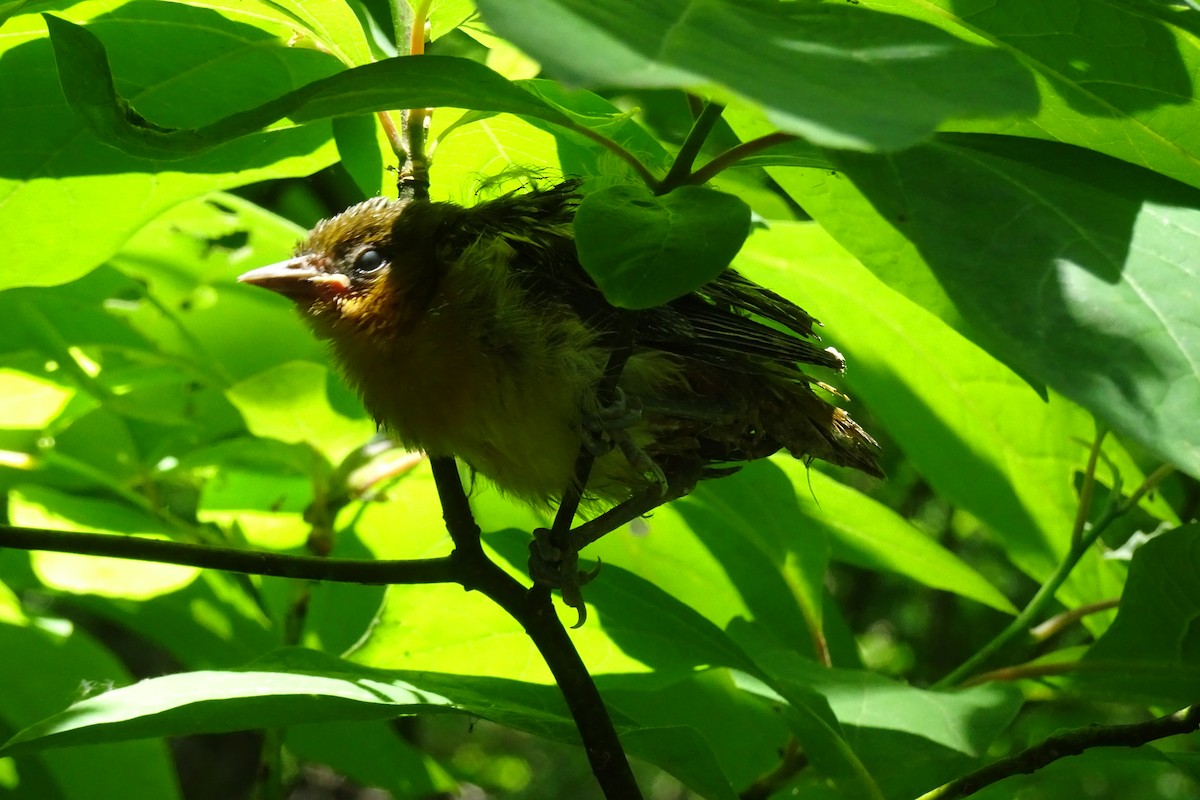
<point>298,278</point>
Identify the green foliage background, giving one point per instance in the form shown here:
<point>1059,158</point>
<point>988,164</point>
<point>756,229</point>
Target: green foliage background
<point>994,208</point>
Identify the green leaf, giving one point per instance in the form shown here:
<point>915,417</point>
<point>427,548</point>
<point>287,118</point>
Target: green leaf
<point>867,534</point>
<point>580,155</point>
<point>267,506</point>
<point>286,688</point>
<point>634,628</point>
<point>839,75</point>
<point>743,732</point>
<point>1115,77</point>
<point>689,755</point>
<point>645,251</point>
<point>214,621</point>
<point>186,263</point>
<point>748,522</point>
<point>41,507</point>
<point>48,664</point>
<point>1152,650</point>
<point>333,23</point>
<point>939,728</point>
<point>499,152</point>
<point>60,184</point>
<point>815,727</point>
<point>30,401</point>
<point>976,431</point>
<point>373,754</point>
<point>300,402</point>
<point>412,82</point>
<point>294,686</point>
<point>1075,268</point>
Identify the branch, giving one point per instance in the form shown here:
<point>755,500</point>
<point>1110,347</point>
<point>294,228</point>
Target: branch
<point>313,568</point>
<point>1060,622</point>
<point>467,565</point>
<point>1070,743</point>
<point>534,610</point>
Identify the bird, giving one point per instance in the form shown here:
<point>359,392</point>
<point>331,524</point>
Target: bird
<point>474,332</point>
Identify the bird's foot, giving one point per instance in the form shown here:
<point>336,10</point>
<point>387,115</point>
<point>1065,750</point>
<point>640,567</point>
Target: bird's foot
<point>608,428</point>
<point>603,424</point>
<point>554,562</point>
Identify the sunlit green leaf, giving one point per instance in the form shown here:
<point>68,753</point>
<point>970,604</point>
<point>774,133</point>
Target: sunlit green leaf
<point>39,507</point>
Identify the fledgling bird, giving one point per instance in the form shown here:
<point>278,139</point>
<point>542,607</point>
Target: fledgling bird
<point>474,332</point>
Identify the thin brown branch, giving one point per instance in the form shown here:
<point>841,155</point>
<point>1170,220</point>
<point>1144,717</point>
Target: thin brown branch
<point>339,570</point>
<point>536,614</point>
<point>1070,743</point>
<point>1022,672</point>
<point>1060,622</point>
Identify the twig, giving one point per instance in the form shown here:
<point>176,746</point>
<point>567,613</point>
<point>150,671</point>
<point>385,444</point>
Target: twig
<point>1060,622</point>
<point>1069,743</point>
<point>1022,672</point>
<point>338,570</point>
<point>394,137</point>
<point>536,614</point>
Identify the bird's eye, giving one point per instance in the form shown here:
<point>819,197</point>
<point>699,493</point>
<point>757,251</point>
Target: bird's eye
<point>368,261</point>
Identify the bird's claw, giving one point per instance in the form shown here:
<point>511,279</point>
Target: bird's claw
<point>555,564</point>
<point>604,424</point>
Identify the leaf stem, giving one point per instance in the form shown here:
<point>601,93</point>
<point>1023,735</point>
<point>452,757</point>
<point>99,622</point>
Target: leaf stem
<point>1060,622</point>
<point>701,128</point>
<point>1023,621</point>
<point>643,172</point>
<point>394,137</point>
<point>735,154</point>
<point>1089,484</point>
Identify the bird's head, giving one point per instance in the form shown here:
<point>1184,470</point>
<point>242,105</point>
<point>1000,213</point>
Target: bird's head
<point>370,269</point>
